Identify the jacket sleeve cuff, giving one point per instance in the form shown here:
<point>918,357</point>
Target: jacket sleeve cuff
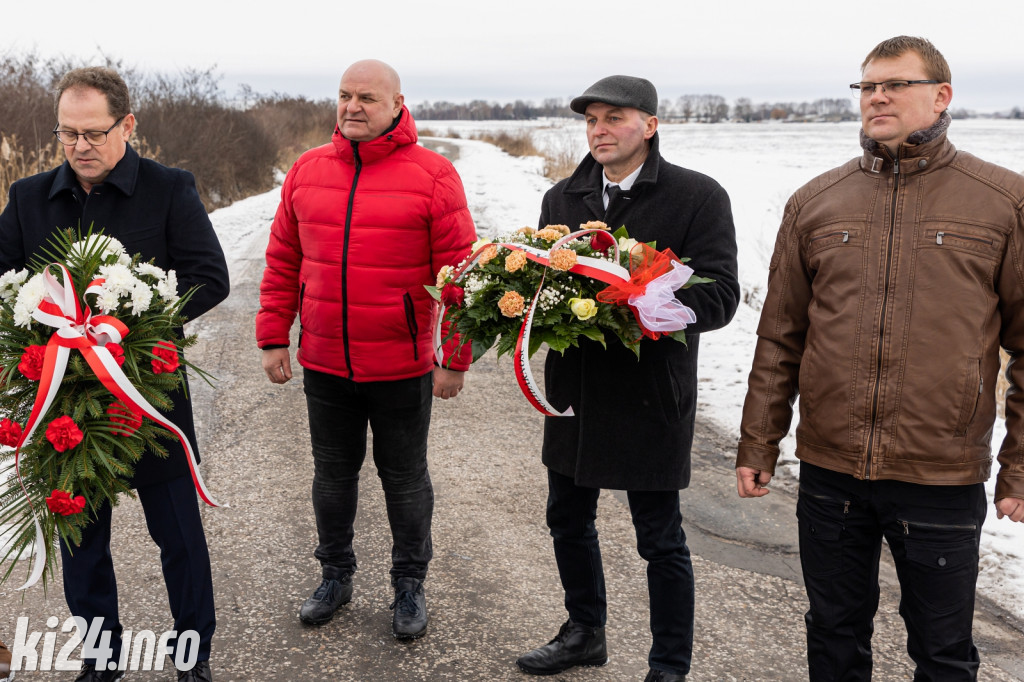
<point>760,457</point>
<point>1009,485</point>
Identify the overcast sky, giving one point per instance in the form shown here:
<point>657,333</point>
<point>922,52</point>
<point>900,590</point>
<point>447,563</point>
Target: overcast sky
<point>794,50</point>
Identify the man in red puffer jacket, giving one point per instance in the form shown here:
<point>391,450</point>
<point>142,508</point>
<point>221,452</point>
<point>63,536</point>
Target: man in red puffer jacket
<point>364,223</point>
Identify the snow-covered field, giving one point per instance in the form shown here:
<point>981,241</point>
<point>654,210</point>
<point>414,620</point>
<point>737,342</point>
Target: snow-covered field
<point>760,166</point>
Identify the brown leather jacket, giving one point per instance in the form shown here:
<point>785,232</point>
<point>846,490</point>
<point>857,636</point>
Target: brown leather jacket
<point>891,289</point>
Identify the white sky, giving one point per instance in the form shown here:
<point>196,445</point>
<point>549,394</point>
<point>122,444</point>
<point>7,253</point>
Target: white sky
<point>459,50</point>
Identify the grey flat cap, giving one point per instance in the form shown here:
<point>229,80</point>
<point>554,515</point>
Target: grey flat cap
<point>619,91</point>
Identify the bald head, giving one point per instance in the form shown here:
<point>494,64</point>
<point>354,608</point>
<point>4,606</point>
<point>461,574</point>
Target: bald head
<point>369,100</point>
<point>374,69</point>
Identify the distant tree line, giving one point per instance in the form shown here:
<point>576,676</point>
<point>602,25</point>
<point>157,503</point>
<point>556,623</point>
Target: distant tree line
<point>686,108</point>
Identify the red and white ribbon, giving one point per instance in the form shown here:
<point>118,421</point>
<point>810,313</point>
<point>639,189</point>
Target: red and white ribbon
<point>76,327</point>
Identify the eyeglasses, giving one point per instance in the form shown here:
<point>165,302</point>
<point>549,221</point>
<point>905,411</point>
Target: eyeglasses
<point>93,137</point>
<point>865,89</point>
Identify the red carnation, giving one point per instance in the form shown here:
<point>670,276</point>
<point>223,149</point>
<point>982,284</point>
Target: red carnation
<point>116,352</point>
<point>31,364</point>
<point>601,241</point>
<point>166,360</point>
<point>452,295</point>
<point>10,433</point>
<point>64,504</point>
<point>126,421</point>
<point>63,433</point>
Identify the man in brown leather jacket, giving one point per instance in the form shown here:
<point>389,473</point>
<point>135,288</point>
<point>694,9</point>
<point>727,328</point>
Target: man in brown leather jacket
<point>895,280</point>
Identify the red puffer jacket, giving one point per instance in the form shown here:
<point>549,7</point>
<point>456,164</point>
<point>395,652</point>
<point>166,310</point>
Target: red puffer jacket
<point>361,228</point>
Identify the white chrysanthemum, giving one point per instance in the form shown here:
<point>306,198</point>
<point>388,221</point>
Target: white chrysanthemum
<point>142,296</point>
<point>151,270</point>
<point>107,301</point>
<point>10,282</point>
<point>120,279</point>
<point>168,288</point>
<point>30,295</point>
<point>111,247</point>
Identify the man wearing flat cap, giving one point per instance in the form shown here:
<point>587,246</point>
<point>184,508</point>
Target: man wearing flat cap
<point>633,423</point>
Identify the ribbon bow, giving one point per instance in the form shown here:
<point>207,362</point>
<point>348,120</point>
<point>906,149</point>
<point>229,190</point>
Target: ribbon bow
<point>77,328</point>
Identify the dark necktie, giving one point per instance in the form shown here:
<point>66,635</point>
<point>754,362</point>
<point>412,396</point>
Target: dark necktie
<point>612,191</point>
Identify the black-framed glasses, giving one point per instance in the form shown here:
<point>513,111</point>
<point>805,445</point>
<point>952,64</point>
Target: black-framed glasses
<point>96,138</point>
<point>865,89</point>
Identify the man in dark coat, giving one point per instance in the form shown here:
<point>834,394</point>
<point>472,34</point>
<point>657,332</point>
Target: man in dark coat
<point>154,211</point>
<point>633,423</point>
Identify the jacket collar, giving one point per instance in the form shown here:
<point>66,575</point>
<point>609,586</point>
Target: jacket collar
<point>923,150</point>
<point>402,132</point>
<point>586,178</point>
<point>123,176</point>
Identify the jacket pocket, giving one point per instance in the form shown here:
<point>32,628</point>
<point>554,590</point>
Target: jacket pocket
<point>831,237</point>
<point>410,321</point>
<point>974,386</point>
<point>302,299</point>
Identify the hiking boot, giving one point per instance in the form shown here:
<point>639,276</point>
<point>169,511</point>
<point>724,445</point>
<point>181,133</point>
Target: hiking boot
<point>574,645</point>
<point>328,598</point>
<point>410,607</point>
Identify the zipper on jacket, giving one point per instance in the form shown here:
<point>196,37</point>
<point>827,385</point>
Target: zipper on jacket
<point>881,320</point>
<point>936,526</point>
<point>410,321</point>
<point>302,299</point>
<point>845,233</point>
<point>962,237</point>
<point>344,259</point>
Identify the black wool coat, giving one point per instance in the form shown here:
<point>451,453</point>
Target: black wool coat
<point>633,423</point>
<point>152,210</point>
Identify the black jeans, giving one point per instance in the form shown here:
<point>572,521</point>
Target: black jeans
<point>398,412</point>
<point>933,533</point>
<point>660,540</point>
<point>174,523</point>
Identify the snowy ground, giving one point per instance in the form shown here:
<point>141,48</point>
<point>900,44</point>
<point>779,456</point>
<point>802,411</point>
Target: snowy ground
<point>759,166</point>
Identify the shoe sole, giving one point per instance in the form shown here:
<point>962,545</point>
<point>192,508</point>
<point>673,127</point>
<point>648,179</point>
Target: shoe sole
<point>407,637</point>
<point>589,664</point>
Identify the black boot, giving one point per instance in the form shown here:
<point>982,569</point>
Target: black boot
<point>574,645</point>
<point>662,676</point>
<point>410,607</point>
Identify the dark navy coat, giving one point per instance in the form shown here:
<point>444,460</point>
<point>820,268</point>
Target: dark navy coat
<point>154,211</point>
<point>634,418</point>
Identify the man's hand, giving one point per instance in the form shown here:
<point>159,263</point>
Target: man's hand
<point>447,382</point>
<point>752,482</point>
<point>1011,507</point>
<point>277,364</point>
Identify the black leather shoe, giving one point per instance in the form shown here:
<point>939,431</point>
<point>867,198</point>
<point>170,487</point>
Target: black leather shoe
<point>89,673</point>
<point>328,598</point>
<point>662,676</point>
<point>574,645</point>
<point>200,673</point>
<point>410,607</point>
